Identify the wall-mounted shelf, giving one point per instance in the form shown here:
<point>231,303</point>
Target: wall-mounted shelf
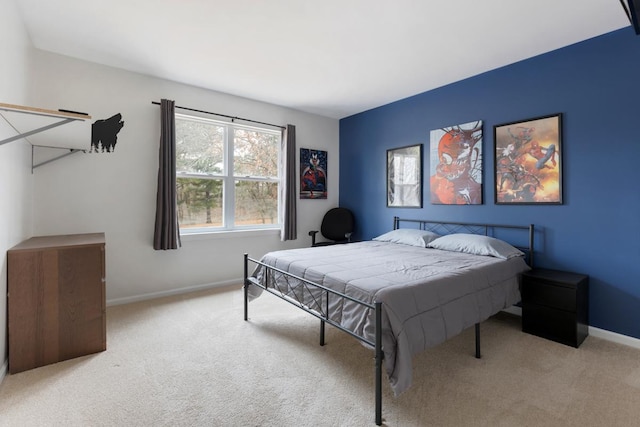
<point>29,123</point>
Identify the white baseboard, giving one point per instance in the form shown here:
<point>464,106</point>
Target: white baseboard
<point>614,337</point>
<point>171,292</point>
<point>514,310</point>
<point>3,370</point>
<point>593,331</point>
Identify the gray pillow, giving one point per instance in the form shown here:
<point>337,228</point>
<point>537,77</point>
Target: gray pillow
<point>475,244</point>
<point>408,236</point>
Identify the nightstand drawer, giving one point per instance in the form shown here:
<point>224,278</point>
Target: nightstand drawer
<point>540,292</point>
<point>550,323</point>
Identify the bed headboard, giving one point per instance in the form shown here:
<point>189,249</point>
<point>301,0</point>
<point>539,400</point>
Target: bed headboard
<point>519,236</point>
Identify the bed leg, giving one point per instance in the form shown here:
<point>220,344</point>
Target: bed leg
<point>477,340</point>
<point>246,287</point>
<point>326,315</point>
<point>378,350</point>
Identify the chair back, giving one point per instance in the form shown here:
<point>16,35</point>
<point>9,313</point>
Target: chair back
<point>336,223</point>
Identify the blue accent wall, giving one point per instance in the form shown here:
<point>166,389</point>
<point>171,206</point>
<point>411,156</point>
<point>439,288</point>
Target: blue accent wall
<point>595,84</point>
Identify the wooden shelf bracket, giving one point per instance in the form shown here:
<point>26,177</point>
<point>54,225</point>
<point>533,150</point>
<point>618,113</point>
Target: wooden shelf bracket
<point>35,126</point>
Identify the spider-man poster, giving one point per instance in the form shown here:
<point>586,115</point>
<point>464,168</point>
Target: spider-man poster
<point>456,165</point>
<point>313,174</point>
<point>528,161</point>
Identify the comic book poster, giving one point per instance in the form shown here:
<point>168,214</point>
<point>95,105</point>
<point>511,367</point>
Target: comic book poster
<point>528,161</point>
<point>456,164</point>
<point>313,174</point>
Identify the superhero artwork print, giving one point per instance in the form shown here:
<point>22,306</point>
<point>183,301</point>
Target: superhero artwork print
<point>456,164</point>
<point>528,161</point>
<point>313,174</point>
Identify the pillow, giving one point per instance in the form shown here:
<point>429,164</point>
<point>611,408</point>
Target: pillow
<point>475,244</point>
<point>408,236</point>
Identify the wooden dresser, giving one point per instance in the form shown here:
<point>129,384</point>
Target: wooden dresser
<point>55,299</point>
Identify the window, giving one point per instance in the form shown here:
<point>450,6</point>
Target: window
<point>227,175</point>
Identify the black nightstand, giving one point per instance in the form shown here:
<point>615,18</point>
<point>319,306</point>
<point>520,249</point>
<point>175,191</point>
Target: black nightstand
<point>555,305</point>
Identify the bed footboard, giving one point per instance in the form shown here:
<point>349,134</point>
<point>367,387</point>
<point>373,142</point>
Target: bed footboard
<point>320,308</point>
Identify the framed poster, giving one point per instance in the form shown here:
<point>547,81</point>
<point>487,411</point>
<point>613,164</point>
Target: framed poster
<point>528,161</point>
<point>404,177</point>
<point>313,174</point>
<point>456,165</point>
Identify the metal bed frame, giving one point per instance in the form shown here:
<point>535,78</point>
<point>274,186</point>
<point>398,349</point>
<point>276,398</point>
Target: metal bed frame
<point>320,306</point>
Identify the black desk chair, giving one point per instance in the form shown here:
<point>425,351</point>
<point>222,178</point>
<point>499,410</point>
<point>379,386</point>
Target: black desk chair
<point>337,226</point>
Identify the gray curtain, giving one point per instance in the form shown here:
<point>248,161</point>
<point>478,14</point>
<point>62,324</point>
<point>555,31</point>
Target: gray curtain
<point>167,232</point>
<point>288,194</point>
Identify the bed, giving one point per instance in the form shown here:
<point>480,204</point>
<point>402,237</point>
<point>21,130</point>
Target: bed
<point>403,292</point>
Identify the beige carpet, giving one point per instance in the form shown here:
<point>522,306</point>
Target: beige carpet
<point>191,360</point>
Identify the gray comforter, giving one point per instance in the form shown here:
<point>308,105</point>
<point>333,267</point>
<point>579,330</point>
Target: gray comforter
<point>427,295</point>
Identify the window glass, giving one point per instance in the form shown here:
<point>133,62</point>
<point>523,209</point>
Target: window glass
<point>199,202</point>
<point>255,153</point>
<point>199,146</point>
<point>227,175</point>
<point>256,202</point>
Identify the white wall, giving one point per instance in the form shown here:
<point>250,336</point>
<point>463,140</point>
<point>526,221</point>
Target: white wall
<point>15,157</point>
<point>115,192</point>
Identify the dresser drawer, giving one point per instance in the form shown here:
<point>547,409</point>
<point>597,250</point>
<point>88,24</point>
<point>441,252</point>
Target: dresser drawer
<point>540,292</point>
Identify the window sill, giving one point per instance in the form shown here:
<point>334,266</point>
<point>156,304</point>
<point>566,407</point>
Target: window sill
<point>228,234</point>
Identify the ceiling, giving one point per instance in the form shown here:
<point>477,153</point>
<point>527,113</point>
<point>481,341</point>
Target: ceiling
<point>334,58</point>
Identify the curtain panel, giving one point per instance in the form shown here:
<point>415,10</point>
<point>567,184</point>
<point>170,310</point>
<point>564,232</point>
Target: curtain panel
<point>289,230</point>
<point>167,231</point>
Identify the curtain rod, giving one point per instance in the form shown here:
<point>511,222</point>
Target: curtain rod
<point>224,115</point>
<point>626,10</point>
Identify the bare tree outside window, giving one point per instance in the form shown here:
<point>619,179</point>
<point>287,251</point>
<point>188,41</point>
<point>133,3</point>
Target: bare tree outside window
<point>227,175</point>
<point>255,156</point>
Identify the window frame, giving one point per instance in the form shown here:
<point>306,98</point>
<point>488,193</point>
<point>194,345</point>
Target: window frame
<point>229,179</point>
